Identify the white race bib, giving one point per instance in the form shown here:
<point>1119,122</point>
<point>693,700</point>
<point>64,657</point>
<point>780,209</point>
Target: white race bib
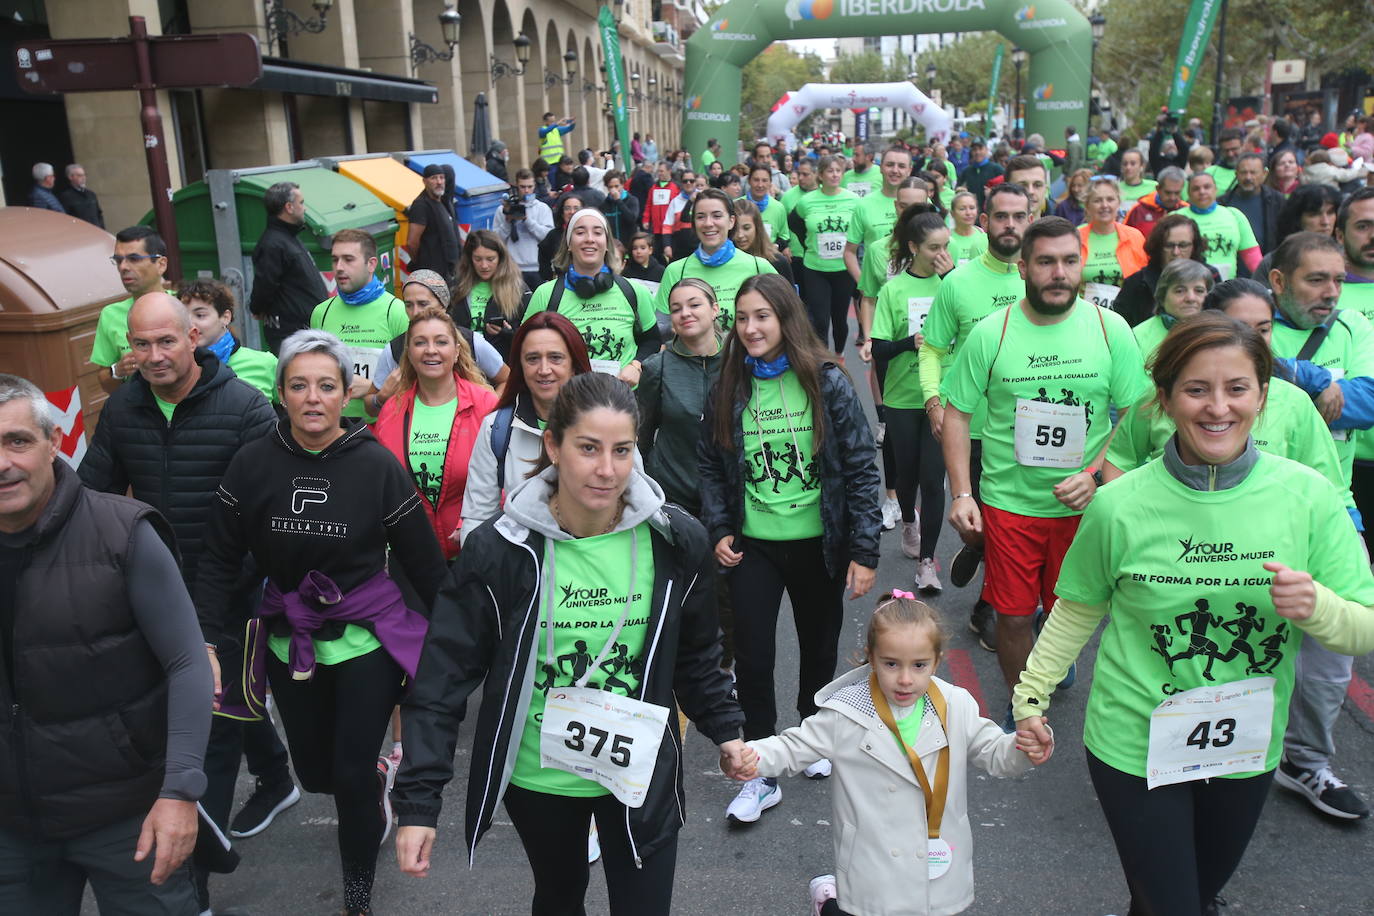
<point>938,857</point>
<point>607,738</point>
<point>1102,295</point>
<point>860,188</point>
<point>651,285</point>
<point>830,245</point>
<point>768,228</point>
<point>1211,731</point>
<point>917,310</point>
<point>661,196</point>
<point>1340,435</point>
<point>1225,271</point>
<point>608,366</point>
<point>364,361</point>
<point>1050,435</point>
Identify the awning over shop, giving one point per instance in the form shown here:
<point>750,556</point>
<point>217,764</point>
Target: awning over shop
<point>281,75</point>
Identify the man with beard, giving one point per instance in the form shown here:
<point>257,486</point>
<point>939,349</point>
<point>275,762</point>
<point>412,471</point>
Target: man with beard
<point>966,296</point>
<point>1040,458</point>
<point>1307,278</point>
<point>1254,198</point>
<point>1223,171</point>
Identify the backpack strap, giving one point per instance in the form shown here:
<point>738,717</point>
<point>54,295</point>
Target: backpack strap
<point>500,441</point>
<point>1006,318</point>
<point>556,295</point>
<point>1317,338</point>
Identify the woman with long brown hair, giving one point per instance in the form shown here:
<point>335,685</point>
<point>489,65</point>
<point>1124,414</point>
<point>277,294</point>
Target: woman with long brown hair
<point>489,296</point>
<point>751,237</point>
<point>789,496</point>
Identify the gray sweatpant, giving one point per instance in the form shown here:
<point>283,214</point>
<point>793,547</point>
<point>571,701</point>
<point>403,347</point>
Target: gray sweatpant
<point>1320,680</point>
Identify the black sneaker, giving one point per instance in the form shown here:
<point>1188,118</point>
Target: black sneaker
<point>266,802</point>
<point>983,624</point>
<point>965,566</point>
<point>1324,789</point>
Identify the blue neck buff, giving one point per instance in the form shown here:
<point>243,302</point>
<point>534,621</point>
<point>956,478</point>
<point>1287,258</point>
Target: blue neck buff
<point>768,368</point>
<point>224,347</point>
<point>372,290</point>
<point>723,254</point>
<point>1201,212</point>
<point>761,204</point>
<point>572,276</point>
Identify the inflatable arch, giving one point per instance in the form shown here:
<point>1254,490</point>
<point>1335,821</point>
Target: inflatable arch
<point>1056,36</point>
<point>794,106</point>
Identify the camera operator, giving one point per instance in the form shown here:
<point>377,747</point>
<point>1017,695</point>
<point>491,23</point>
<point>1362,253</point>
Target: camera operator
<point>523,222</point>
<point>1161,157</point>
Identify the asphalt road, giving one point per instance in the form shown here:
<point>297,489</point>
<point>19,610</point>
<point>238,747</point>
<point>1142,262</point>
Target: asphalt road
<point>1041,845</point>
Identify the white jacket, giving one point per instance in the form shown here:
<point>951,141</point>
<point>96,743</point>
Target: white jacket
<point>879,822</point>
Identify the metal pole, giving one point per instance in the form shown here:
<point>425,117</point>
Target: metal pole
<point>159,178</point>
<point>1221,60</point>
<point>1016,104</point>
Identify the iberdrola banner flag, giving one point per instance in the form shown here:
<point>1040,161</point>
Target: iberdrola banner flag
<point>1192,45</point>
<point>615,80</point>
<point>992,89</point>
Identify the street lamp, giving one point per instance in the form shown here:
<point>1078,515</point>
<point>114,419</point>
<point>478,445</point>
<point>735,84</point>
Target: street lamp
<point>421,53</point>
<point>552,79</point>
<point>501,69</point>
<point>1018,58</point>
<point>637,93</point>
<point>1099,26</point>
<point>282,21</point>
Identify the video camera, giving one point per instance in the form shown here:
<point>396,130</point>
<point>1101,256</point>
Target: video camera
<point>513,208</point>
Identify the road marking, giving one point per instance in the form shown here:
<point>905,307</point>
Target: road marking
<point>962,673</point>
<point>1362,695</point>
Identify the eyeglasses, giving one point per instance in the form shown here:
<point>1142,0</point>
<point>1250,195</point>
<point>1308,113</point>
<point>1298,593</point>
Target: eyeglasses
<point>133,259</point>
<point>1177,246</point>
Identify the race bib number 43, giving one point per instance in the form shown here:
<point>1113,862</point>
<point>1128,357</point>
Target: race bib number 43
<point>605,737</point>
<point>1211,731</point>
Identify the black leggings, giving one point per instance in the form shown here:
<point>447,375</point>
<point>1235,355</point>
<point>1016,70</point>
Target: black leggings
<point>334,725</point>
<point>1362,487</point>
<point>553,830</point>
<point>756,587</point>
<point>827,294</point>
<point>919,462</point>
<point>1178,844</point>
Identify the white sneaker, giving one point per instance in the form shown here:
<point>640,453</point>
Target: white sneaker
<point>819,770</point>
<point>927,576</point>
<point>892,514</point>
<point>386,778</point>
<point>756,797</point>
<point>880,434</point>
<point>822,889</point>
<point>593,844</point>
<point>911,539</point>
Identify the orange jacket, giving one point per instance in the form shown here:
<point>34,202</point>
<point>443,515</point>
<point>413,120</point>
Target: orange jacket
<point>1130,247</point>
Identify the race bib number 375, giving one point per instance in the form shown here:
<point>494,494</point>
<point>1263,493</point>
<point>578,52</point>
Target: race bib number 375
<point>607,738</point>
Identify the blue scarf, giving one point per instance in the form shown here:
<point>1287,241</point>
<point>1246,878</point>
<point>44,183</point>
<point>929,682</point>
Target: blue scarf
<point>372,290</point>
<point>1203,212</point>
<point>761,204</point>
<point>722,255</point>
<point>572,276</point>
<point>224,347</point>
<point>765,369</point>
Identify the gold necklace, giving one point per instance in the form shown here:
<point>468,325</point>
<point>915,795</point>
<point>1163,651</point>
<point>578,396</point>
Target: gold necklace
<point>558,516</point>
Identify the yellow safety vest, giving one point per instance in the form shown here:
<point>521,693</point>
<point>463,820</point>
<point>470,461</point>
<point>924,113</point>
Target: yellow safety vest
<point>551,146</point>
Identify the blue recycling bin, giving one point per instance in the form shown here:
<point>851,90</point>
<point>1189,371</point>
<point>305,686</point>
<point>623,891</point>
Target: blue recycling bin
<point>477,193</point>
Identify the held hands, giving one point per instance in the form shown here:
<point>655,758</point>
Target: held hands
<point>413,848</point>
<point>738,760</point>
<point>1331,402</point>
<point>1293,592</point>
<point>1076,490</point>
<point>1034,740</point>
<point>859,580</point>
<point>725,553</point>
<point>170,828</point>
<point>866,350</point>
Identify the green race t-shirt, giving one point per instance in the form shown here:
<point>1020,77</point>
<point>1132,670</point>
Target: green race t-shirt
<point>965,248</point>
<point>1130,193</point>
<point>782,488</point>
<point>869,181</point>
<point>478,298</point>
<point>774,220</point>
<point>1181,572</point>
<point>1227,233</point>
<point>901,311</point>
<point>909,727</point>
<point>870,226</point>
<point>968,295</point>
<point>429,432</point>
<point>606,321</point>
<point>167,408</point>
<point>585,599</point>
<point>1358,297</point>
<point>365,330</point>
<point>791,196</point>
<point>725,280</point>
<point>258,368</point>
<point>1086,362</point>
<point>1102,265</point>
<point>1224,177</point>
<point>827,226</point>
<point>1149,334</point>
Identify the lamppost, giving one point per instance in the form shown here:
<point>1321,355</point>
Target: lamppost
<point>1098,22</point>
<point>501,69</point>
<point>421,53</point>
<point>282,21</point>
<point>552,79</point>
<point>637,94</point>
<point>1018,58</point>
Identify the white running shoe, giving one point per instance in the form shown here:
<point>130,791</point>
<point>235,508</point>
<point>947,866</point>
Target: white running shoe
<point>892,514</point>
<point>593,843</point>
<point>911,539</point>
<point>756,797</point>
<point>822,889</point>
<point>927,577</point>
<point>819,770</point>
<point>386,778</point>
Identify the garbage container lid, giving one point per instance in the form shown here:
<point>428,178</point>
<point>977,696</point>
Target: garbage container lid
<point>383,176</point>
<point>51,262</point>
<point>332,201</point>
<point>469,180</point>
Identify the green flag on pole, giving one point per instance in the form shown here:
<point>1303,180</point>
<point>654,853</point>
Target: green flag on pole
<point>1192,45</point>
<point>615,80</point>
<point>992,89</point>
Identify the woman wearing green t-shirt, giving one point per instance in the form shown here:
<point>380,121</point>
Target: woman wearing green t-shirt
<point>918,241</point>
<point>490,294</point>
<point>580,610</point>
<point>1182,287</point>
<point>966,240</point>
<point>1214,562</point>
<point>789,494</point>
<point>820,224</point>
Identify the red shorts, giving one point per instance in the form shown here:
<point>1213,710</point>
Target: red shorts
<point>1021,556</point>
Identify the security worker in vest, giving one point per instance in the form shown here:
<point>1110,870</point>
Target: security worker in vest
<point>551,136</point>
<point>105,692</point>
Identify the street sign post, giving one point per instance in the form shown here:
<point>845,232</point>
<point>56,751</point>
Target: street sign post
<point>144,63</point>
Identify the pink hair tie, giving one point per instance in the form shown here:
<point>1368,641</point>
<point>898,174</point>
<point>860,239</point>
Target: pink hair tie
<point>898,593</point>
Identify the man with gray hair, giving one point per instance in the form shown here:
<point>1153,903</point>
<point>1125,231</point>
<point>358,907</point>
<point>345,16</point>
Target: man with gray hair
<point>42,196</point>
<point>286,283</point>
<point>1152,208</point>
<point>101,652</point>
<point>79,200</point>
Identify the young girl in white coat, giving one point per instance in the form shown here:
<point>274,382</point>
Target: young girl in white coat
<point>900,741</point>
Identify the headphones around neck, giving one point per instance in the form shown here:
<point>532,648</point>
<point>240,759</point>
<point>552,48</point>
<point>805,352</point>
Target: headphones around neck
<point>587,287</point>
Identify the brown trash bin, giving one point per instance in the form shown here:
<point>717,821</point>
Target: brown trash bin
<point>55,276</point>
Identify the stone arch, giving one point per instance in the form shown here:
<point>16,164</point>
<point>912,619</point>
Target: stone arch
<point>507,103</point>
<point>474,75</point>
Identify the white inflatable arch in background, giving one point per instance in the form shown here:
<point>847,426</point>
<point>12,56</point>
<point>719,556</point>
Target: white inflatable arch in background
<point>794,106</point>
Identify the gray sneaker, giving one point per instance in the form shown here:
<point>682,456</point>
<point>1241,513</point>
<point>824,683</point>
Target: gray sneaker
<point>911,539</point>
<point>927,577</point>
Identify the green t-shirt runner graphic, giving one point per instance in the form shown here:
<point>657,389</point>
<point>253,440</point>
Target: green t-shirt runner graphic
<point>782,485</point>
<point>606,321</point>
<point>365,330</point>
<point>901,311</point>
<point>1227,233</point>
<point>870,226</point>
<point>827,227</point>
<point>1102,265</point>
<point>429,431</point>
<point>478,298</point>
<point>725,280</point>
<point>1189,597</point>
<point>591,576</point>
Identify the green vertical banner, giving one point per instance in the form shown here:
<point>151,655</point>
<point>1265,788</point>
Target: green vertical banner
<point>992,89</point>
<point>615,79</point>
<point>1192,45</point>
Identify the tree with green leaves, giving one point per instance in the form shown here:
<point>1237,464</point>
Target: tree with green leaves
<point>777,70</point>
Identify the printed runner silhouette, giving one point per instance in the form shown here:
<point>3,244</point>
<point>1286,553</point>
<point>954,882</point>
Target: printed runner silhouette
<point>1195,623</point>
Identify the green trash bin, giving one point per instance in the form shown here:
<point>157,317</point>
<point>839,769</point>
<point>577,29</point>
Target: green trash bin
<point>220,219</point>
